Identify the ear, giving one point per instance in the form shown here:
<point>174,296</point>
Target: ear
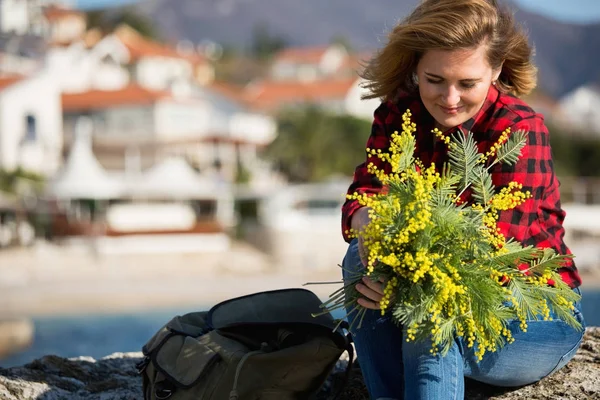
<point>496,73</point>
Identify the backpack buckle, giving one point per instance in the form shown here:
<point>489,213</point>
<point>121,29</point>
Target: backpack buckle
<point>141,366</point>
<point>163,390</point>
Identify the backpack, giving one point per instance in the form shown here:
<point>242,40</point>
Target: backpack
<point>264,346</point>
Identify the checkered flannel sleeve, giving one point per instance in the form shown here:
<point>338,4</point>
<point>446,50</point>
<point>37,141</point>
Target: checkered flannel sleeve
<point>538,221</point>
<point>363,181</point>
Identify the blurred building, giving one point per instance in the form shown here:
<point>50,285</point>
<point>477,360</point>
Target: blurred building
<point>139,151</point>
<point>53,19</point>
<point>297,225</point>
<point>326,77</point>
<point>580,109</point>
<point>148,100</point>
<point>31,136</point>
<point>125,57</point>
<point>21,54</point>
<point>135,128</point>
<point>308,64</point>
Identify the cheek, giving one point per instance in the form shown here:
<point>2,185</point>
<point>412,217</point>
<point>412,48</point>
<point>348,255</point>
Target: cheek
<point>428,92</point>
<point>475,98</point>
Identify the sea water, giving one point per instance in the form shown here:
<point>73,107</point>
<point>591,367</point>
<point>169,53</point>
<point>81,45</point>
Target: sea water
<point>100,335</point>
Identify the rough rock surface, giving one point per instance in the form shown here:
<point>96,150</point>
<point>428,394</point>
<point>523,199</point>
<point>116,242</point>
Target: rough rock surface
<point>115,378</point>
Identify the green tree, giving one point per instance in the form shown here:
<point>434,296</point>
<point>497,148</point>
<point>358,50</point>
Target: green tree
<point>264,44</point>
<point>563,151</point>
<point>313,145</point>
<point>574,153</point>
<point>12,181</point>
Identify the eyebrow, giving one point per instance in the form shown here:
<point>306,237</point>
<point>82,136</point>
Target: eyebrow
<point>462,80</point>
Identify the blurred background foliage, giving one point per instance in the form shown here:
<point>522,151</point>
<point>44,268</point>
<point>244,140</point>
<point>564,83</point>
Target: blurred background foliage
<point>18,180</point>
<point>313,145</point>
<point>574,153</point>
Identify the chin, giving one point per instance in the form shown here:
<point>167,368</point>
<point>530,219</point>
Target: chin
<point>450,122</point>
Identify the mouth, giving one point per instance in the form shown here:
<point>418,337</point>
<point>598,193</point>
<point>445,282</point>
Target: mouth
<point>451,110</point>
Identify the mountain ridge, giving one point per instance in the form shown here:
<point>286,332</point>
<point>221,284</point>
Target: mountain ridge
<point>566,53</point>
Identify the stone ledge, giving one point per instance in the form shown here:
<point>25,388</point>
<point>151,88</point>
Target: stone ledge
<point>115,377</point>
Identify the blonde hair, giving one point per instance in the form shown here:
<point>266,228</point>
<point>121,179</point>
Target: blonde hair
<point>452,25</point>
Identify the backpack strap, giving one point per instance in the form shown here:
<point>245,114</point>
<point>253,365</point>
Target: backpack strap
<point>275,306</point>
<point>350,349</point>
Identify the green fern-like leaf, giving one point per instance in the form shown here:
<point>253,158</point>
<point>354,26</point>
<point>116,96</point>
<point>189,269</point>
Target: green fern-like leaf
<point>550,260</point>
<point>407,151</point>
<point>483,188</point>
<point>515,253</point>
<point>445,217</point>
<point>445,335</point>
<point>510,151</point>
<point>445,189</point>
<point>415,310</point>
<point>528,302</point>
<point>463,157</point>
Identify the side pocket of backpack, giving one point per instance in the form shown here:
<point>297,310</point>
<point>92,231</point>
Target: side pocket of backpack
<point>182,367</point>
<point>175,365</point>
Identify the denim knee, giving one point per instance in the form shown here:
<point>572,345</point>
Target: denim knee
<point>352,266</point>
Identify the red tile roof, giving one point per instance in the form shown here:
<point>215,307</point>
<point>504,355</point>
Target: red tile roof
<point>356,62</point>
<point>54,13</point>
<point>9,80</point>
<point>91,37</point>
<point>100,99</point>
<point>303,55</point>
<point>230,91</point>
<point>139,47</point>
<point>268,95</point>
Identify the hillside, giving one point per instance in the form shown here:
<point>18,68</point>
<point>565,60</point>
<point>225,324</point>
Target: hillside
<point>567,54</point>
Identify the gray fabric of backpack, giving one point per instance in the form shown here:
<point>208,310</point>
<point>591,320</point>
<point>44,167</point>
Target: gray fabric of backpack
<point>264,346</point>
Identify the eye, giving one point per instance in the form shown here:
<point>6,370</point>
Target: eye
<point>434,81</point>
<point>467,85</point>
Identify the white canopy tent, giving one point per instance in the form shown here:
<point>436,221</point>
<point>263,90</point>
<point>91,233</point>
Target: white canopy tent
<point>174,178</point>
<point>82,176</point>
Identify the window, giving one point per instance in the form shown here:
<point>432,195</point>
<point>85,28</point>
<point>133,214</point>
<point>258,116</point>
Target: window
<point>109,59</point>
<point>31,128</point>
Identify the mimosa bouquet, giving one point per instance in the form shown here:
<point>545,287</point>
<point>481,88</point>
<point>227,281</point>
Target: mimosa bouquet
<point>448,270</point>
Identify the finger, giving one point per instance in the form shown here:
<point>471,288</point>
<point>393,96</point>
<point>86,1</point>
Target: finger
<point>373,285</point>
<point>369,293</point>
<point>369,304</point>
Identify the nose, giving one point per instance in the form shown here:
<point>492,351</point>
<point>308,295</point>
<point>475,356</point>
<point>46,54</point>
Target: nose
<point>451,96</point>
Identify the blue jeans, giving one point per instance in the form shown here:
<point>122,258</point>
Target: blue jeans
<point>396,369</point>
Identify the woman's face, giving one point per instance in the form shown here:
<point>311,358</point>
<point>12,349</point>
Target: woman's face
<point>454,84</point>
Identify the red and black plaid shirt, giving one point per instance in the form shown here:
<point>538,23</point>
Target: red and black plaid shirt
<point>538,221</point>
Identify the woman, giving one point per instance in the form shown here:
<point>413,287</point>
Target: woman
<point>460,64</point>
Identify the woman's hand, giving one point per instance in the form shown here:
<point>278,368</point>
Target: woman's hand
<point>360,219</point>
<point>373,292</point>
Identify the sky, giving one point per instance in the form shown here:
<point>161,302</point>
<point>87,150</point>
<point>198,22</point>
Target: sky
<point>579,11</point>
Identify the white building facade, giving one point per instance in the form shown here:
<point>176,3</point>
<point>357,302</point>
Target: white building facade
<point>31,125</point>
<point>581,109</point>
<point>23,17</point>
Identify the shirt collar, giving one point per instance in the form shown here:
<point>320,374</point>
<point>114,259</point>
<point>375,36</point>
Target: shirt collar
<point>491,98</point>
